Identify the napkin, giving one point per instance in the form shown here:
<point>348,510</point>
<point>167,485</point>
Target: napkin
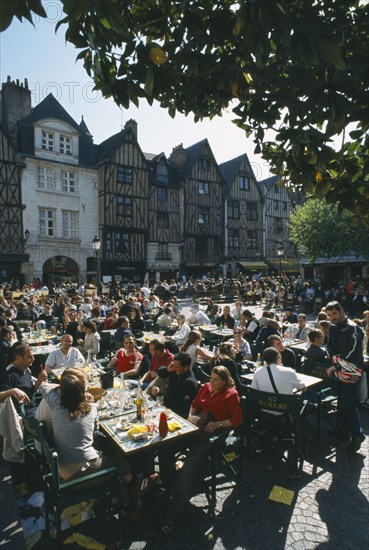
<point>174,425</point>
<point>137,429</point>
<point>84,541</point>
<point>281,494</point>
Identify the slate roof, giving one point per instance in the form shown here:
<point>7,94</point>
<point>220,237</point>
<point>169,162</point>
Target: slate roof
<point>87,149</point>
<point>107,148</point>
<point>173,171</point>
<point>51,108</point>
<point>83,127</point>
<point>193,154</point>
<point>267,184</point>
<point>230,170</point>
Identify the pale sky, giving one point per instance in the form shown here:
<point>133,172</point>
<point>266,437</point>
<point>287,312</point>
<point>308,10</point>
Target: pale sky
<point>43,57</point>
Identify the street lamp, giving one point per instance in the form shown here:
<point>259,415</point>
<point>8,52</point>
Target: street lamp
<point>26,235</point>
<point>96,244</point>
<point>280,253</point>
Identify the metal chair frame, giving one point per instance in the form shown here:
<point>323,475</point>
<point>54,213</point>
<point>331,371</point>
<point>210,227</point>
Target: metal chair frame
<point>325,398</point>
<point>283,430</point>
<point>61,494</point>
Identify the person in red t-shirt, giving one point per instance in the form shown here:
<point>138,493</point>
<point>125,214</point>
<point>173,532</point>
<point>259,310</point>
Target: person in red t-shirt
<point>218,404</point>
<point>127,359</point>
<point>160,358</point>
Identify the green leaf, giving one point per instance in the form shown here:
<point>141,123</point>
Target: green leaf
<point>6,18</point>
<point>330,52</point>
<point>105,23</point>
<point>38,8</point>
<point>149,81</point>
<point>356,134</point>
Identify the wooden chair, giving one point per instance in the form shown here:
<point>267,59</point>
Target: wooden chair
<point>106,345</point>
<point>61,494</point>
<point>276,421</point>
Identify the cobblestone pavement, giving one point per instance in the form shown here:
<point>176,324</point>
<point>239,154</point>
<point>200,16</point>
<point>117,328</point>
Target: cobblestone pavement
<point>329,511</point>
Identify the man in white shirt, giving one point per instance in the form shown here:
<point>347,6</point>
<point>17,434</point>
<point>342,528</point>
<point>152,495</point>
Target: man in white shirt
<point>145,290</point>
<point>285,379</point>
<point>179,338</point>
<point>166,318</point>
<point>198,317</point>
<point>299,331</point>
<point>65,356</point>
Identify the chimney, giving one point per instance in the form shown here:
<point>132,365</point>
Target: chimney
<point>131,123</point>
<point>178,156</point>
<point>15,104</point>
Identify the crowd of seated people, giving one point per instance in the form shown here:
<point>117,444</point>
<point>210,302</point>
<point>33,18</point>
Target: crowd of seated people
<point>166,365</point>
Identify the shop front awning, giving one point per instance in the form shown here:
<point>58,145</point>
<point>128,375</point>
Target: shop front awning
<point>291,266</point>
<point>336,260</point>
<point>254,265</point>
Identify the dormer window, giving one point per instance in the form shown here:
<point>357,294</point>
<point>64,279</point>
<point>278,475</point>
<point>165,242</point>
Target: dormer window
<point>65,145</point>
<point>47,141</point>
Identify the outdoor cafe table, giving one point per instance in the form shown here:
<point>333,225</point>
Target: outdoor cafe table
<point>117,429</point>
<point>44,350</point>
<point>148,336</point>
<point>296,345</point>
<point>215,330</point>
<point>223,332</point>
<point>41,340</point>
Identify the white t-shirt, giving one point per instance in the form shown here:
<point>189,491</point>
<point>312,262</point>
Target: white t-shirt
<point>285,379</point>
<point>181,335</point>
<point>191,350</point>
<point>201,318</point>
<point>252,327</point>
<point>58,360</point>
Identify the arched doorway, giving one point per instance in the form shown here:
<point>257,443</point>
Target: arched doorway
<point>60,269</point>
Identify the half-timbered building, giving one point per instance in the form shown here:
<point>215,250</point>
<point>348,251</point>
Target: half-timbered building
<point>243,217</point>
<point>123,205</point>
<point>165,220</point>
<point>277,209</point>
<point>201,187</point>
<point>154,215</point>
<point>12,254</point>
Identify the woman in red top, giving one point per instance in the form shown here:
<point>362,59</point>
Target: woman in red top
<point>218,403</point>
<point>127,359</point>
<point>220,400</point>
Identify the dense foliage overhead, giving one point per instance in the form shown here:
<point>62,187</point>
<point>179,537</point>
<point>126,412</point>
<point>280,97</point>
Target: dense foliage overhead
<point>318,229</point>
<point>298,67</point>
